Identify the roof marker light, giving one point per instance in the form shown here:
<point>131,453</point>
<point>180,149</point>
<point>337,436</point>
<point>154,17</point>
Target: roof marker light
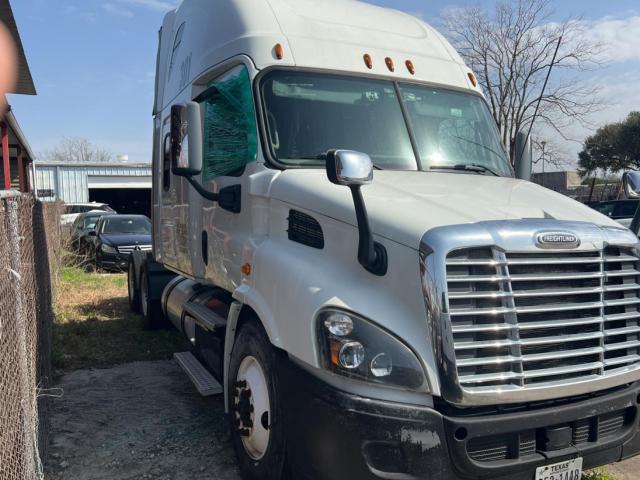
<point>472,78</point>
<point>410,67</point>
<point>367,61</point>
<point>389,62</point>
<point>279,51</point>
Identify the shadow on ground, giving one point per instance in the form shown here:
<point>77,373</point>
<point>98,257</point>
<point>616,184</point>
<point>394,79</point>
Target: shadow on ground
<point>104,333</point>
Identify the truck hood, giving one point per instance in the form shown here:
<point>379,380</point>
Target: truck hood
<point>403,205</point>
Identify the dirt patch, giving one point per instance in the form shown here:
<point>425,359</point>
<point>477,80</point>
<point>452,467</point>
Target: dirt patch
<point>139,420</point>
<point>627,470</point>
<point>146,420</point>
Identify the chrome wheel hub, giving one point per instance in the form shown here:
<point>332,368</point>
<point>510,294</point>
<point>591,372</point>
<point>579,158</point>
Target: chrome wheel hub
<point>252,407</point>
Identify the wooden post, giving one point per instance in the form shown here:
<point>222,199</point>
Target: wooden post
<point>21,183</point>
<point>27,173</point>
<point>6,167</point>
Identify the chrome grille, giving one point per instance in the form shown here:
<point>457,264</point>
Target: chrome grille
<point>537,319</point>
<point>130,248</point>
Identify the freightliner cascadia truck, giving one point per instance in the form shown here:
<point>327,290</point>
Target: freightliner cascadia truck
<point>340,235</point>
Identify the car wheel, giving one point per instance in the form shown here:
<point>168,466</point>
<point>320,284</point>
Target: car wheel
<point>256,417</point>
<point>150,309</point>
<point>132,287</point>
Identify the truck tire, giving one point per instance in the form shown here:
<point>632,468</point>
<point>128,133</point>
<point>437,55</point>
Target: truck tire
<point>150,309</point>
<point>256,414</point>
<point>133,288</point>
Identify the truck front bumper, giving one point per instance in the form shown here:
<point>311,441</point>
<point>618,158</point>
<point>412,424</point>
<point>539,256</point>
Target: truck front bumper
<point>334,435</point>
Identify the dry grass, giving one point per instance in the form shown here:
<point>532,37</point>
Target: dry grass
<point>598,474</point>
<point>95,328</point>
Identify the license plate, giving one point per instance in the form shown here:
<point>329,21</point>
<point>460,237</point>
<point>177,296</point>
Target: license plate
<point>567,470</point>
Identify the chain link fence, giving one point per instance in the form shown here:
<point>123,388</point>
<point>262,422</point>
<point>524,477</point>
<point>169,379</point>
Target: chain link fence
<point>29,262</point>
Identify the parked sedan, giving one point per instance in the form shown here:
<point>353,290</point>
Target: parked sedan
<point>72,210</point>
<point>116,236</point>
<point>85,223</point>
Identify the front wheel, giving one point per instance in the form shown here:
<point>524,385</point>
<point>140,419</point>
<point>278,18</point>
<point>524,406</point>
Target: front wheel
<point>257,424</point>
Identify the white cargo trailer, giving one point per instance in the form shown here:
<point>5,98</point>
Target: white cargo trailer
<point>339,233</point>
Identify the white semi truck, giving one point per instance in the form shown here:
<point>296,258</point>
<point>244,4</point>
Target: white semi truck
<point>339,233</point>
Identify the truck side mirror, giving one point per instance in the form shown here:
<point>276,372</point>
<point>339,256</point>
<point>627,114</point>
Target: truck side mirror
<point>524,154</point>
<point>349,168</point>
<point>631,183</point>
<point>354,169</point>
<point>186,155</point>
<point>186,139</point>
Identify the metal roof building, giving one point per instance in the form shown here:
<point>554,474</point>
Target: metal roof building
<point>126,187</point>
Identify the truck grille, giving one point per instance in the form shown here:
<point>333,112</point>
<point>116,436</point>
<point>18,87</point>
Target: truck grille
<point>130,248</point>
<point>530,320</point>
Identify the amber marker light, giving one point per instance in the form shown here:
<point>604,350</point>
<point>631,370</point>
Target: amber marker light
<point>389,62</point>
<point>472,78</point>
<point>279,51</point>
<point>246,269</point>
<point>367,61</point>
<point>410,67</point>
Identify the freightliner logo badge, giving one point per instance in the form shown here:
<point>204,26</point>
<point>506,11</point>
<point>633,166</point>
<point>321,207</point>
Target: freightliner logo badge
<point>557,240</point>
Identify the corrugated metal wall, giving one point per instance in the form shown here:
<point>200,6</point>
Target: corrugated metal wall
<point>69,183</point>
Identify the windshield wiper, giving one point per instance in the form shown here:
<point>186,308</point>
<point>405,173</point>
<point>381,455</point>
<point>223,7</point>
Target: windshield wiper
<point>467,167</point>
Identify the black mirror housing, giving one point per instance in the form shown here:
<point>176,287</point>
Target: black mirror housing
<point>355,169</point>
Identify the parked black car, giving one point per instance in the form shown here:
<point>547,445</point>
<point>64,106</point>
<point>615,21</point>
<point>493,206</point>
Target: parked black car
<point>83,224</point>
<point>620,210</point>
<point>116,236</point>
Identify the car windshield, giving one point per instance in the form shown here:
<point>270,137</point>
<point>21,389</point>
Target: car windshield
<point>90,222</point>
<point>127,225</point>
<point>71,209</point>
<point>309,113</point>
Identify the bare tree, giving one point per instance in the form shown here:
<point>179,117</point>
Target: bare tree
<point>76,150</point>
<point>549,150</point>
<point>510,51</point>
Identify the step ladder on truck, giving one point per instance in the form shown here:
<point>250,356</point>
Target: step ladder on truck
<point>361,273</point>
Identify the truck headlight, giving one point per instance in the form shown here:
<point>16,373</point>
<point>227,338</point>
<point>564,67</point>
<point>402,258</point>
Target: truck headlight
<point>108,248</point>
<point>354,347</point>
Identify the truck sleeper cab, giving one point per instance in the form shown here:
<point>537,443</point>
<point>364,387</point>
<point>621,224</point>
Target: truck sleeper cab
<point>338,232</point>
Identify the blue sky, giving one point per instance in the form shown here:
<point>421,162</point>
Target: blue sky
<point>93,65</point>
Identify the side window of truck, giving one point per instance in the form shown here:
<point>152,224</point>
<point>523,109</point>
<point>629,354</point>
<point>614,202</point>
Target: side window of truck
<point>230,138</point>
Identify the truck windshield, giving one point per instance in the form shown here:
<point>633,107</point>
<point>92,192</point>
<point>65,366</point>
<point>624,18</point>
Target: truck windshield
<point>310,113</point>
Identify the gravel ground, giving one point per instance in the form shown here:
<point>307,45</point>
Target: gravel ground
<point>146,420</point>
<point>138,420</point>
<point>627,470</point>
